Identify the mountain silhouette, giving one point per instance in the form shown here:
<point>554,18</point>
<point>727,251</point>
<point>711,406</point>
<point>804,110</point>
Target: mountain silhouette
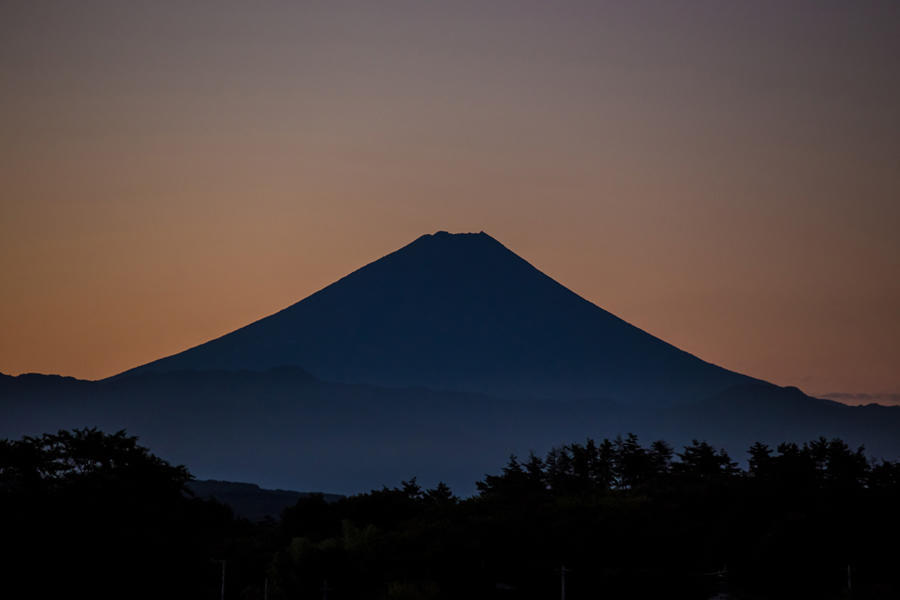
<point>438,360</point>
<point>461,312</point>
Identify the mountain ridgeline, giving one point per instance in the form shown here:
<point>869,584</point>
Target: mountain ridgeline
<point>462,313</point>
<point>438,360</point>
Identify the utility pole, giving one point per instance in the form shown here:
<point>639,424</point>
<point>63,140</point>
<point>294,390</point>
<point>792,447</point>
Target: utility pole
<point>562,581</point>
<point>266,589</point>
<point>222,596</point>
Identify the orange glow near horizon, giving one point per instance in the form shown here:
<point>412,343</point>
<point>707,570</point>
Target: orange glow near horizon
<point>724,177</point>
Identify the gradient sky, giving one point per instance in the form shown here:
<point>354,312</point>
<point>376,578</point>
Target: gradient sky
<point>724,175</point>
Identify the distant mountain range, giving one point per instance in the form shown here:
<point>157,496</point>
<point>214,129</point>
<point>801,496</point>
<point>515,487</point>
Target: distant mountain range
<point>437,360</point>
<point>248,500</point>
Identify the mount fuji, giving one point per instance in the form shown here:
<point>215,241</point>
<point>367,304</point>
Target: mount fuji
<point>438,361</point>
<point>461,312</point>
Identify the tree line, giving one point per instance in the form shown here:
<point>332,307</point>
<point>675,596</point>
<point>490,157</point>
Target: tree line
<point>84,512</point>
<point>624,465</point>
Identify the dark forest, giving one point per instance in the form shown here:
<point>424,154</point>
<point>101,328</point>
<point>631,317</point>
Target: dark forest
<point>85,513</point>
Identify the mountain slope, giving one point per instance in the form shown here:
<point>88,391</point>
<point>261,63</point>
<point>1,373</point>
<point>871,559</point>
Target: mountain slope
<point>462,312</point>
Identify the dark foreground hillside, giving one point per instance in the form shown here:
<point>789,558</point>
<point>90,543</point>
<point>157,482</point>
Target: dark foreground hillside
<point>85,514</point>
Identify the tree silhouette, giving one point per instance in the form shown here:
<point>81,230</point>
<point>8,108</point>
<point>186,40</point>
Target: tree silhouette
<point>117,519</point>
<point>703,462</point>
<point>108,519</point>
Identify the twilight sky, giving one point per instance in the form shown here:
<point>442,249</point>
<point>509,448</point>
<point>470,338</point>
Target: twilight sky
<point>724,175</point>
